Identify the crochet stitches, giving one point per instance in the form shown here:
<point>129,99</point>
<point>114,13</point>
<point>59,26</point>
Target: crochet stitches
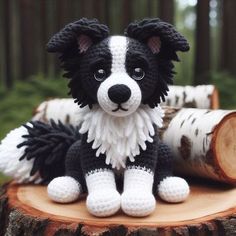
<point>118,82</point>
<point>123,137</point>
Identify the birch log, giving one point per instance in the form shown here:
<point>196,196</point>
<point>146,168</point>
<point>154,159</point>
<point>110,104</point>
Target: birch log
<point>201,96</point>
<point>202,140</point>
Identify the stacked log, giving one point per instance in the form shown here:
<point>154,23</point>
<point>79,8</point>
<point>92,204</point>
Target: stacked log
<point>202,140</point>
<point>201,96</point>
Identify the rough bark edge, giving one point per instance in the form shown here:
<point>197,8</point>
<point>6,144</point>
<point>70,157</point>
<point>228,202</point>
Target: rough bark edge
<point>214,98</point>
<point>16,222</point>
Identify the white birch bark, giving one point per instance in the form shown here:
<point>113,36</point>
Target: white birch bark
<point>199,139</point>
<point>201,96</point>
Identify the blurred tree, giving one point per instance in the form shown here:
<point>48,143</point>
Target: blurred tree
<point>166,10</point>
<point>127,12</point>
<point>7,34</point>
<point>43,36</point>
<point>228,36</point>
<point>202,51</point>
<point>27,38</point>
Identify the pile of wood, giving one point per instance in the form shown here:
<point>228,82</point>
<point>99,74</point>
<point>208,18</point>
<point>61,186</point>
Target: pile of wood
<point>201,138</point>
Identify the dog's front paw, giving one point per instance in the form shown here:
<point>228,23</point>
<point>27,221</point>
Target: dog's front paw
<point>173,189</point>
<point>137,203</point>
<point>64,189</point>
<point>104,202</point>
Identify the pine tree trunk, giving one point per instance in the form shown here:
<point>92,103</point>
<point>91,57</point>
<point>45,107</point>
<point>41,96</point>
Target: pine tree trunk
<point>202,55</point>
<point>166,10</point>
<point>228,37</point>
<point>26,210</point>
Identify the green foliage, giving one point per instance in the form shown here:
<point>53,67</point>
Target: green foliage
<point>3,179</point>
<point>17,105</point>
<point>226,85</point>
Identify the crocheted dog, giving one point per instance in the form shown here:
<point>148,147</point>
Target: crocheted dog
<point>118,81</point>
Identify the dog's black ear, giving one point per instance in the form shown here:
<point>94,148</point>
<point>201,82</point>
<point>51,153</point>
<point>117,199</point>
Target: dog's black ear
<point>79,35</point>
<point>161,37</point>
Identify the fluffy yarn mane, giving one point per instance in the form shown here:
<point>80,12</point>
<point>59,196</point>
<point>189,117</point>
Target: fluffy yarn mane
<point>119,137</point>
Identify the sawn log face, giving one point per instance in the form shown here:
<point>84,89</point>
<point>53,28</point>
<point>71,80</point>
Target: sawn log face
<point>20,214</point>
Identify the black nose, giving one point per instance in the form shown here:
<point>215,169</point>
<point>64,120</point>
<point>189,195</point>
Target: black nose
<point>119,93</point>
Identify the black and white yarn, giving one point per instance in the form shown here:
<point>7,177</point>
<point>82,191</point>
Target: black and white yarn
<point>118,82</point>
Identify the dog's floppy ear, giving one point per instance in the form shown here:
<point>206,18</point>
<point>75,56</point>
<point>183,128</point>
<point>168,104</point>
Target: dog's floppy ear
<point>161,37</point>
<point>79,35</point>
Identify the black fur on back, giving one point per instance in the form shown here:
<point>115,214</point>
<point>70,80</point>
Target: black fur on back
<point>48,144</point>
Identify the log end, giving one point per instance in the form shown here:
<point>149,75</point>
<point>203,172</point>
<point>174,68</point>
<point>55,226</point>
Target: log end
<point>224,146</point>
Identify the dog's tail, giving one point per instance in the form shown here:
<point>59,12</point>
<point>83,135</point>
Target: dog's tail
<point>35,152</point>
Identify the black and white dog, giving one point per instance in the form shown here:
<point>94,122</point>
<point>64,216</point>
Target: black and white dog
<point>118,81</point>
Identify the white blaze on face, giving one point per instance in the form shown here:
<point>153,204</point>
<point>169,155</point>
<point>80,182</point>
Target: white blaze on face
<point>118,46</point>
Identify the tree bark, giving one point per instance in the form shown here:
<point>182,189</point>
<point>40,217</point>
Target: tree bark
<point>201,96</point>
<point>8,80</point>
<point>127,12</point>
<point>166,10</point>
<point>28,57</point>
<point>228,37</point>
<point>26,210</point>
<point>202,140</point>
<point>202,51</point>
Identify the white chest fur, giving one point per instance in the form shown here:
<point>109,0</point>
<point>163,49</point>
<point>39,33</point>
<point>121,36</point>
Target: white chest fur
<point>119,137</point>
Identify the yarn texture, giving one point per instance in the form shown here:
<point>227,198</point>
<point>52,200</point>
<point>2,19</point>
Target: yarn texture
<point>124,137</point>
<point>112,152</point>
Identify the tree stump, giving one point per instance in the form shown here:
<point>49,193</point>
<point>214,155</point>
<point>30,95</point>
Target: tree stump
<point>26,210</point>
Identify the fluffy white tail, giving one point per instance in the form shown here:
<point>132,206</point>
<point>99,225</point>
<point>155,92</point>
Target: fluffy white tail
<point>10,164</point>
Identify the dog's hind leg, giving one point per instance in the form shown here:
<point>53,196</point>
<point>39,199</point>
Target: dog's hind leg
<point>168,187</point>
<point>67,188</point>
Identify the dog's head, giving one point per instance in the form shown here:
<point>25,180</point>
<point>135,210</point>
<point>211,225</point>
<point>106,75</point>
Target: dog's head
<point>118,72</point>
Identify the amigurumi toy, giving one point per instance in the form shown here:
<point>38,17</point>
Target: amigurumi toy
<point>118,82</point>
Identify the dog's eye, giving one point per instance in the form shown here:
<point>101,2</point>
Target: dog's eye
<point>100,75</point>
<point>138,73</point>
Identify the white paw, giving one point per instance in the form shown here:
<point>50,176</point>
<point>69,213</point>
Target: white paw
<point>64,189</point>
<point>173,189</point>
<point>137,203</point>
<point>105,202</point>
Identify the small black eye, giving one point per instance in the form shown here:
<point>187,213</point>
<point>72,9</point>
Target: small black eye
<point>138,73</point>
<point>100,75</point>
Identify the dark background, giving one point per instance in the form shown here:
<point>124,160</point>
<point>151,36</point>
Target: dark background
<point>29,75</point>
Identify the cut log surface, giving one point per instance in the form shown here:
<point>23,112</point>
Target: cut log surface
<point>26,210</point>
<point>201,96</point>
<point>202,141</point>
